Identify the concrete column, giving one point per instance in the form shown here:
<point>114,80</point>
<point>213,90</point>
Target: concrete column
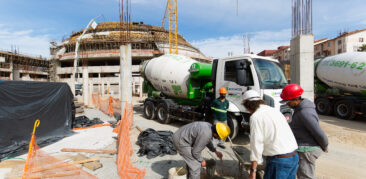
<point>100,83</point>
<point>16,74</point>
<point>119,89</point>
<point>108,87</point>
<point>11,69</point>
<point>85,82</point>
<point>302,64</point>
<point>90,92</point>
<point>140,90</point>
<point>133,87</point>
<point>73,82</point>
<point>126,75</point>
<point>102,92</point>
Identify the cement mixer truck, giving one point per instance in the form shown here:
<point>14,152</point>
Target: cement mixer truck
<point>180,88</point>
<point>340,85</point>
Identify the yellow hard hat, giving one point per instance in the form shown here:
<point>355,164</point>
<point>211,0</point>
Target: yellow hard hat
<point>223,130</point>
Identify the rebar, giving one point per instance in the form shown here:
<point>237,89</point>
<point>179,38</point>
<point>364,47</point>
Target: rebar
<point>302,17</point>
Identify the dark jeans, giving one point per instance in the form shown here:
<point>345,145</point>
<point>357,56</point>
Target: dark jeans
<point>281,168</point>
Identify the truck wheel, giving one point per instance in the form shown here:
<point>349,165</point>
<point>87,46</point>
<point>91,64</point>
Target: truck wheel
<point>344,109</point>
<point>149,110</point>
<point>323,106</point>
<point>162,113</point>
<point>233,124</point>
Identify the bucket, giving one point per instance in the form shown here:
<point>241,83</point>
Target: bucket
<point>178,173</point>
<point>210,168</point>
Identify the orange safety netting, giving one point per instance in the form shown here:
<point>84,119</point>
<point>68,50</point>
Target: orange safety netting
<point>107,105</point>
<point>110,106</point>
<point>125,168</point>
<point>41,165</point>
<point>93,126</point>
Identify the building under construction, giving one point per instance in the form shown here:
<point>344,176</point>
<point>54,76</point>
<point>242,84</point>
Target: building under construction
<point>99,53</point>
<point>15,66</point>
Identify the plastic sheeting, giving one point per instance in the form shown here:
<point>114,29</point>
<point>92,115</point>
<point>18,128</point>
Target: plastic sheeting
<point>156,143</point>
<point>22,102</point>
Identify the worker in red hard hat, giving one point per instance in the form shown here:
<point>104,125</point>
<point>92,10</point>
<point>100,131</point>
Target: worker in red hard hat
<point>219,109</point>
<point>310,138</point>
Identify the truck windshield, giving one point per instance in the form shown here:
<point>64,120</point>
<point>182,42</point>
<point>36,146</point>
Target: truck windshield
<point>270,74</point>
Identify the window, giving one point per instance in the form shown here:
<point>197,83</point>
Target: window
<point>339,42</point>
<point>361,39</point>
<point>339,50</point>
<point>328,44</point>
<point>234,68</point>
<point>230,71</point>
<point>316,47</point>
<point>270,74</point>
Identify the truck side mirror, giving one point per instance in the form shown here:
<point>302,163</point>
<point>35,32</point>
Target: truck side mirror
<point>241,67</point>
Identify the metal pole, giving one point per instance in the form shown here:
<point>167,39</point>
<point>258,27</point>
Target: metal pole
<point>77,55</point>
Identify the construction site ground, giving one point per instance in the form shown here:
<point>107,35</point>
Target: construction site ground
<point>346,157</point>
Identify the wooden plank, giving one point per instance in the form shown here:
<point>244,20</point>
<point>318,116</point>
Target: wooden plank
<point>63,165</point>
<point>90,165</point>
<point>55,175</point>
<point>138,128</point>
<point>89,151</point>
<point>11,163</point>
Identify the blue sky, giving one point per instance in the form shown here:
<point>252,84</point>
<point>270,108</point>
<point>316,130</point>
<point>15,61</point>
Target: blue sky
<point>211,25</point>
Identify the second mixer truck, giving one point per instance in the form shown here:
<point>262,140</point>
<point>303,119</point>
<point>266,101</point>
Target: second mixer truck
<point>180,88</point>
<point>340,85</point>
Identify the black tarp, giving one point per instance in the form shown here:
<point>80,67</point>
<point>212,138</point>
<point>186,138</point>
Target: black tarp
<point>23,102</point>
<point>155,143</point>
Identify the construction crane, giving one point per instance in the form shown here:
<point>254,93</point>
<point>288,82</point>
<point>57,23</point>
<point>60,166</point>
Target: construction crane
<point>171,9</point>
<point>165,13</point>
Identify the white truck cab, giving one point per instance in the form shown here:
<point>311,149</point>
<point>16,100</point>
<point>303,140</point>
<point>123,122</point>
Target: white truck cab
<point>249,72</point>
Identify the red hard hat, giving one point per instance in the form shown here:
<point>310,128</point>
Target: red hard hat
<point>291,91</point>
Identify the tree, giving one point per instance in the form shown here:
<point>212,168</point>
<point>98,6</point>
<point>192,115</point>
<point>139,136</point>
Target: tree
<point>362,48</point>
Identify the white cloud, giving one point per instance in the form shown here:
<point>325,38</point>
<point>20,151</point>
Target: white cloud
<point>25,41</point>
<point>263,40</point>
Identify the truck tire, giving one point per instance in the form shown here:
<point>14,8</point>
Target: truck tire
<point>162,113</point>
<point>149,110</point>
<point>233,125</point>
<point>323,106</point>
<point>344,109</point>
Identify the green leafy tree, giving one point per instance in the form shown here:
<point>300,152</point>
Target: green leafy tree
<point>362,48</point>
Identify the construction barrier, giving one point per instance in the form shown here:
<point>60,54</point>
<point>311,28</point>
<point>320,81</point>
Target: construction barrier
<point>107,105</point>
<point>93,126</point>
<point>124,165</point>
<point>41,165</point>
<point>110,106</point>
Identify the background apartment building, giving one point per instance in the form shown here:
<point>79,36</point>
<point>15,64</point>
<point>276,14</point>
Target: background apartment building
<point>345,42</point>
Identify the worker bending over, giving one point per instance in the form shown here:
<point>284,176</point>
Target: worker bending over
<point>310,137</point>
<point>270,136</point>
<point>192,138</point>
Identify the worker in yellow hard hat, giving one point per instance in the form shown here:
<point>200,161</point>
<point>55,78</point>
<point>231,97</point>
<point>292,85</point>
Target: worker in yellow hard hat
<point>219,109</point>
<point>191,139</point>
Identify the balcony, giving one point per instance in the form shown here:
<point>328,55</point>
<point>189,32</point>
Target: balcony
<point>95,69</point>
